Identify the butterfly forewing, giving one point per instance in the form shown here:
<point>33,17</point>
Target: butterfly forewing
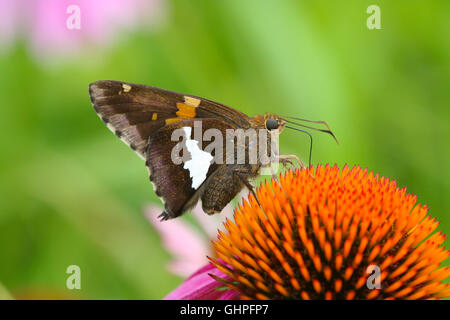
<point>134,111</point>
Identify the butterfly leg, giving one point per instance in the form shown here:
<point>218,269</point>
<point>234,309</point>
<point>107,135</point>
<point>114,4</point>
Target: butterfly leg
<point>287,159</point>
<point>244,176</point>
<point>286,162</point>
<point>167,214</point>
<point>163,216</point>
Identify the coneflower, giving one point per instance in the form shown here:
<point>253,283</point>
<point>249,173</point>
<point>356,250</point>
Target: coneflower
<point>326,233</point>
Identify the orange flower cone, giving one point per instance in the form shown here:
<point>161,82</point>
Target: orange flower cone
<point>326,233</point>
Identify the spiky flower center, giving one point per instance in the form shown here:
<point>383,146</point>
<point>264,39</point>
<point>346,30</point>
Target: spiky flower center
<point>326,233</point>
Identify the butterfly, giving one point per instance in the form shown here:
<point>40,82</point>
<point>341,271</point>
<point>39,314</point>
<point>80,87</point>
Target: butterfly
<point>194,148</point>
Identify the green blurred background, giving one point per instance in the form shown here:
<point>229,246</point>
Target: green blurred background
<point>72,193</point>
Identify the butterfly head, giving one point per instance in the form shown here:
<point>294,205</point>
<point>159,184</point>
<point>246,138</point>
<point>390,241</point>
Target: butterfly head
<point>274,123</point>
<point>269,121</point>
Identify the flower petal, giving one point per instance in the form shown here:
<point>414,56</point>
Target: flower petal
<point>182,241</point>
<point>201,286</point>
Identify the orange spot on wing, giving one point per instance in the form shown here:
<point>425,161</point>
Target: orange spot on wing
<point>185,111</point>
<point>174,120</point>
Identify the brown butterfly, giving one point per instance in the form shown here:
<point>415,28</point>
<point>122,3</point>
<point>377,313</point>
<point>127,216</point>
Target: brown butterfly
<point>169,130</point>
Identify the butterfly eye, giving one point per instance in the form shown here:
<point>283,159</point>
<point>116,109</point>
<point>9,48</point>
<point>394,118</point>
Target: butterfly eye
<point>272,124</point>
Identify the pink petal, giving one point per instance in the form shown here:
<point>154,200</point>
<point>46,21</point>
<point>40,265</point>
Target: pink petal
<point>182,241</point>
<point>184,267</point>
<point>9,21</point>
<point>201,286</point>
<point>229,295</point>
<point>44,22</point>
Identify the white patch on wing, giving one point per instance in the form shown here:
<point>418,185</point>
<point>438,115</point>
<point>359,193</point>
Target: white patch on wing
<point>200,160</point>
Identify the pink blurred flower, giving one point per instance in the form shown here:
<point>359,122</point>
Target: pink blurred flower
<point>187,244</point>
<point>190,248</point>
<point>45,22</point>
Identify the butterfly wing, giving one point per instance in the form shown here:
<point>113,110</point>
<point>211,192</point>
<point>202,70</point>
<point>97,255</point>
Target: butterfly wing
<point>179,180</point>
<point>134,112</point>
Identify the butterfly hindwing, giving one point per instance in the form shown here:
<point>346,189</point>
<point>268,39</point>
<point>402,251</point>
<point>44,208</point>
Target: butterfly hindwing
<point>179,169</point>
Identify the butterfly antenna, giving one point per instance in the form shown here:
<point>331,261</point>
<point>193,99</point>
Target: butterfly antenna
<point>312,128</point>
<point>311,141</point>
<point>310,121</point>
